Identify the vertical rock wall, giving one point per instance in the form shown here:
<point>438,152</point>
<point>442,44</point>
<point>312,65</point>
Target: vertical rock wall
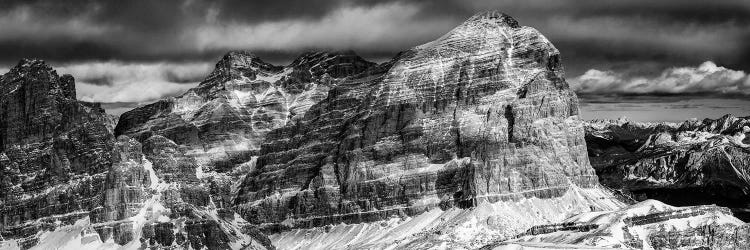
<point>54,151</point>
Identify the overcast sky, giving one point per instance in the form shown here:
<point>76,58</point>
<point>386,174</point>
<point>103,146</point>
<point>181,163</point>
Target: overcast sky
<point>116,48</point>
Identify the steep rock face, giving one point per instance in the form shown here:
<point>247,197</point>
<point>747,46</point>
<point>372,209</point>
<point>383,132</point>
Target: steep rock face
<point>68,183</point>
<point>690,163</point>
<point>205,140</point>
<point>153,198</point>
<point>224,119</point>
<point>54,151</point>
<point>481,114</point>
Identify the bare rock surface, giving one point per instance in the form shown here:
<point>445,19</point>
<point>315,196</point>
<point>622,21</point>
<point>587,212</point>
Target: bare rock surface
<point>54,151</point>
<point>224,119</point>
<point>153,198</point>
<point>480,114</point>
<point>467,141</point>
<point>68,183</point>
<point>691,163</point>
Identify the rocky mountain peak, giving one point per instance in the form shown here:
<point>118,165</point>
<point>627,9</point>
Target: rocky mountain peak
<point>30,68</point>
<point>39,74</point>
<point>415,135</point>
<point>244,60</point>
<point>32,63</point>
<point>239,64</point>
<point>238,59</point>
<point>727,124</point>
<point>723,124</point>
<point>493,16</point>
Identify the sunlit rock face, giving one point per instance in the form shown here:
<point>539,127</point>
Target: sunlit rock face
<point>690,163</point>
<point>480,114</point>
<point>54,151</point>
<point>224,119</point>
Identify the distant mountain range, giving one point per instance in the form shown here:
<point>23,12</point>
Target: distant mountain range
<point>694,162</point>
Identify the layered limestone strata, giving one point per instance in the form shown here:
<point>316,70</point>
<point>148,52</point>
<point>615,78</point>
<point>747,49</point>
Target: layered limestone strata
<point>68,183</point>
<point>153,198</point>
<point>690,163</point>
<point>464,141</point>
<point>480,114</point>
<point>451,228</point>
<point>54,151</point>
<point>223,120</point>
<point>215,129</point>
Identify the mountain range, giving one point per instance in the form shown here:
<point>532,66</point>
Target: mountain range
<point>470,141</point>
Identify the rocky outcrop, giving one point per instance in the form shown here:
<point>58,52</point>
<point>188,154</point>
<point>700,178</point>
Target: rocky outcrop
<point>54,151</point>
<point>690,163</point>
<point>482,114</point>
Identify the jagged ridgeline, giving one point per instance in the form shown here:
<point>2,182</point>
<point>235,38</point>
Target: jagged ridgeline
<point>694,162</point>
<point>224,120</point>
<point>462,142</point>
<point>481,115</point>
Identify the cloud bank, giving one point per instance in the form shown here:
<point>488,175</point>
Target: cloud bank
<point>133,82</point>
<point>708,78</point>
<point>135,51</point>
<point>390,26</point>
<point>589,33</point>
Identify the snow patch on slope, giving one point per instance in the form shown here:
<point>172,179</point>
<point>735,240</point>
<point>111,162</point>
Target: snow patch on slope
<point>79,236</point>
<point>151,173</point>
<point>454,228</point>
<point>613,226</point>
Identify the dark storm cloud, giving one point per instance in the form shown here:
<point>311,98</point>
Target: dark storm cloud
<point>633,38</point>
<point>133,82</point>
<point>586,31</point>
<point>605,33</point>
